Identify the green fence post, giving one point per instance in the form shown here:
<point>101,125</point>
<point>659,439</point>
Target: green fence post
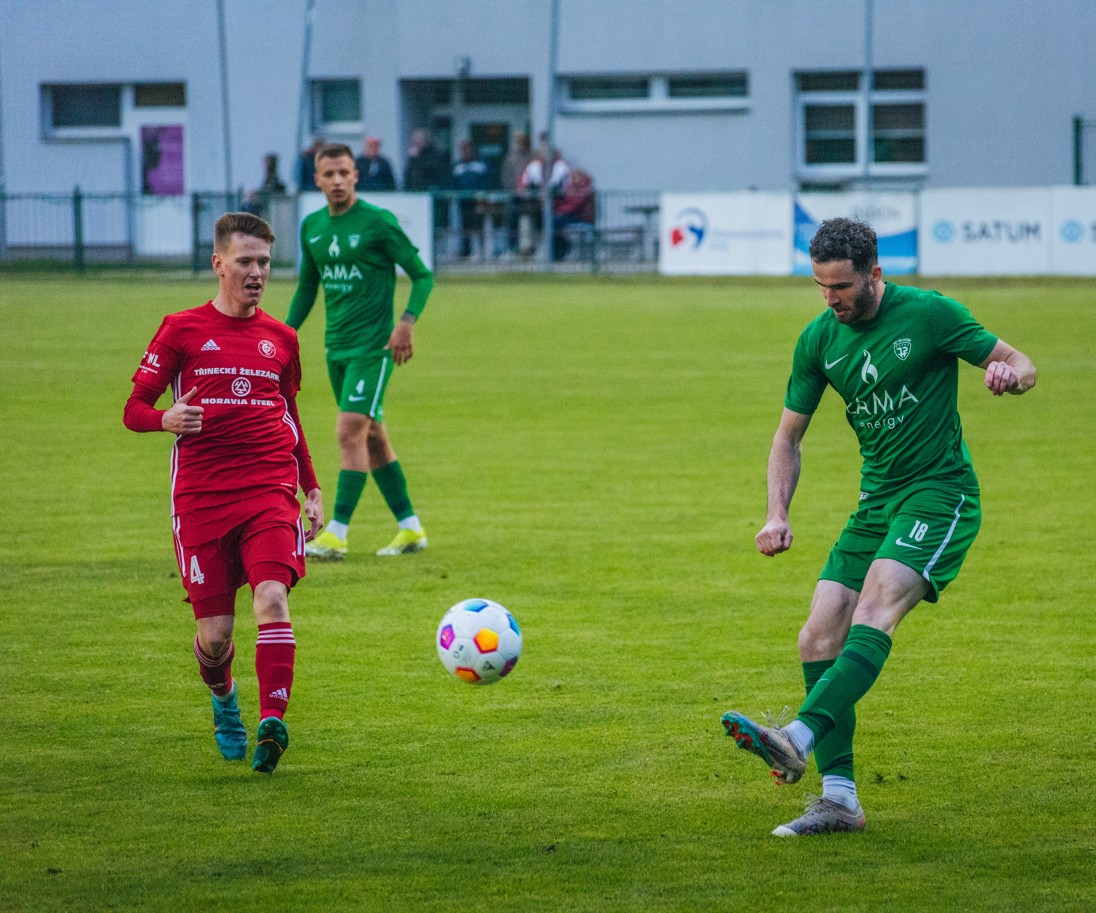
<point>78,230</point>
<point>1078,150</point>
<point>196,234</point>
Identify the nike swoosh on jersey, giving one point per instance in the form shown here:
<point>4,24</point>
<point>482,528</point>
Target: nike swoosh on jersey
<point>899,541</point>
<point>830,364</point>
<point>315,239</point>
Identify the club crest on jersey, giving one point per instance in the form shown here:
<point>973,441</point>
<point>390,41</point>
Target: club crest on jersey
<point>267,348</point>
<point>354,240</point>
<point>903,347</point>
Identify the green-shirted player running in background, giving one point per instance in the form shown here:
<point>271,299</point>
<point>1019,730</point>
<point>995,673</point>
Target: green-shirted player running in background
<point>892,353</point>
<point>352,249</point>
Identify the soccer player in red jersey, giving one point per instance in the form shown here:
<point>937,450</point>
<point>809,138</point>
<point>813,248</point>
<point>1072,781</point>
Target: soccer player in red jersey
<point>237,463</point>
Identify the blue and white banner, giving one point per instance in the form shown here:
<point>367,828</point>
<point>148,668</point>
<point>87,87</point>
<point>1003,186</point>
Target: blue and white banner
<point>892,215</point>
<point>986,232</point>
<point>725,234</point>
<point>1073,217</point>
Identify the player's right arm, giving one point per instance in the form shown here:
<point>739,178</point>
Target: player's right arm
<point>1008,370</point>
<point>141,414</point>
<point>308,284</point>
<point>785,461</point>
<point>160,366</point>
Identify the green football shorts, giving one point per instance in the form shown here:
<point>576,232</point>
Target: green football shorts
<point>359,382</point>
<point>928,529</point>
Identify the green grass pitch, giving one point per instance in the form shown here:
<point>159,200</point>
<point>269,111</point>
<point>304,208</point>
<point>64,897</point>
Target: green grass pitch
<point>591,454</point>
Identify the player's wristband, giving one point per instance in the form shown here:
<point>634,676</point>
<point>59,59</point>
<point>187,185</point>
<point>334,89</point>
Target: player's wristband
<point>408,317</point>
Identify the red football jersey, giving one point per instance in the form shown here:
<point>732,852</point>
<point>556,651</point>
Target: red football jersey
<point>248,372</point>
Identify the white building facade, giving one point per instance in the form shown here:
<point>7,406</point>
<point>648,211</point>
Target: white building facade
<point>123,96</point>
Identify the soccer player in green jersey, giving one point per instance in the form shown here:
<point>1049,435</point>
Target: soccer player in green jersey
<point>891,353</point>
<point>352,250</point>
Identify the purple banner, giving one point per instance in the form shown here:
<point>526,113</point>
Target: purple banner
<point>162,160</point>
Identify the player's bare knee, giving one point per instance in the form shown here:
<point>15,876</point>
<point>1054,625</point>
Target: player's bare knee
<point>271,602</point>
<point>881,614</point>
<point>215,635</point>
<point>817,641</point>
<point>376,437</point>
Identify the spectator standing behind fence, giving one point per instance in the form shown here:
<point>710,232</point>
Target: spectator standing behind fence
<point>427,167</point>
<point>573,212</point>
<point>306,166</point>
<point>256,201</point>
<point>374,170</point>
<point>514,164</point>
<point>471,180</point>
<point>533,189</point>
<point>427,171</point>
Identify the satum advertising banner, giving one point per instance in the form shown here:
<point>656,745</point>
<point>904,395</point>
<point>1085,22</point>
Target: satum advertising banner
<point>986,232</point>
<point>1073,246</point>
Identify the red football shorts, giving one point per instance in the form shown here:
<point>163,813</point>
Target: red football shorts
<point>221,548</point>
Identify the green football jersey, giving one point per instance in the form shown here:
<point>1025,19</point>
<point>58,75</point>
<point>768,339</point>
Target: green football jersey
<point>899,377</point>
<point>354,257</point>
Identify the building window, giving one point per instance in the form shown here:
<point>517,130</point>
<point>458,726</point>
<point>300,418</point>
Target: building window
<point>79,111</point>
<point>337,106</point>
<point>898,133</point>
<point>82,106</point>
<point>830,132</point>
<point>601,89</point>
<point>726,85</point>
<point>503,91</point>
<point>834,118</point>
<point>654,93</point>
<point>159,95</point>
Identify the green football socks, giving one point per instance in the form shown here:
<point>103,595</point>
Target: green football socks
<point>393,487</point>
<point>833,754</point>
<point>845,682</point>
<point>348,493</point>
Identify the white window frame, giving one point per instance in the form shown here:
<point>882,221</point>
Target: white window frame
<point>113,131</point>
<point>335,128</point>
<point>658,100</point>
<point>856,169</point>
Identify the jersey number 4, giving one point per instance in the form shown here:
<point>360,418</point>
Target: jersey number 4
<point>196,575</point>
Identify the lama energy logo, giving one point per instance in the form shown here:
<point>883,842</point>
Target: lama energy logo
<point>690,227</point>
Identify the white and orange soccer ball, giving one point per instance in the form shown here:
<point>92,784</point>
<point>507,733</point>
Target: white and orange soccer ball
<point>479,641</point>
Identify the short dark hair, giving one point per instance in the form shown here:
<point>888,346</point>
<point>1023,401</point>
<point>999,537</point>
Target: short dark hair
<point>846,239</point>
<point>334,151</point>
<point>242,223</point>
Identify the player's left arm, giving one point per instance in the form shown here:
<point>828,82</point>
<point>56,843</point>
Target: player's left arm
<point>1008,370</point>
<point>313,511</point>
<point>313,498</point>
<point>422,283</point>
<point>308,286</point>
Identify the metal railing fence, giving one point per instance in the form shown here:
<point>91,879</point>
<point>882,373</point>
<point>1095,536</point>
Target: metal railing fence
<point>473,232</point>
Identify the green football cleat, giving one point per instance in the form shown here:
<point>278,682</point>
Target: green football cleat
<point>326,547</point>
<point>823,816</point>
<point>406,542</point>
<point>270,744</point>
<point>772,745</point>
<point>228,730</point>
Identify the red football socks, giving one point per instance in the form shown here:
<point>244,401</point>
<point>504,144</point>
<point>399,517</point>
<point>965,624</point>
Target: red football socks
<point>274,653</point>
<point>216,671</point>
